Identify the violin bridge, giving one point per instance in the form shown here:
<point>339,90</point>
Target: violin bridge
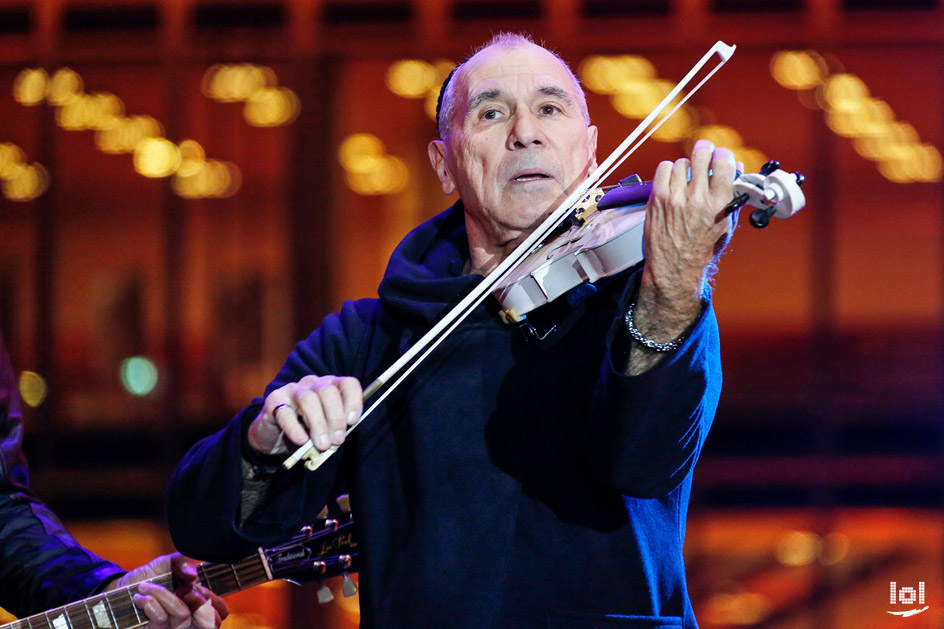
<point>586,207</point>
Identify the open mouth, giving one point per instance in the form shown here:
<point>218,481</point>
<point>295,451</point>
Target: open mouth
<point>536,176</point>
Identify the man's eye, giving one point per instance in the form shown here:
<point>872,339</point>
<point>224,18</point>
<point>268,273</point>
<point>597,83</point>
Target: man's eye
<point>490,114</point>
<point>549,110</point>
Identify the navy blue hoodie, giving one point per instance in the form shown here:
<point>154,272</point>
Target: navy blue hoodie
<point>509,482</point>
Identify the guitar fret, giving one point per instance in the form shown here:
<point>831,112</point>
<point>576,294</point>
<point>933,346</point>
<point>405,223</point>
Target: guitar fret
<point>61,621</point>
<point>75,616</point>
<point>133,606</point>
<point>239,585</point>
<point>98,614</point>
<point>111,611</point>
<point>45,618</point>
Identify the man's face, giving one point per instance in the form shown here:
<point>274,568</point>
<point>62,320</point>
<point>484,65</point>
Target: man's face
<point>519,143</point>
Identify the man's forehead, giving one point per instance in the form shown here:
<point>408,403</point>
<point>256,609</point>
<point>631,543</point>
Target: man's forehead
<point>495,65</point>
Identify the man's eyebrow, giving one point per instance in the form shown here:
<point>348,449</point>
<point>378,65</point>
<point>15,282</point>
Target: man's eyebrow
<point>483,96</point>
<point>556,92</point>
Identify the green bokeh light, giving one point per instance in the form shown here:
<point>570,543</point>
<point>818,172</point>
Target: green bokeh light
<point>138,375</point>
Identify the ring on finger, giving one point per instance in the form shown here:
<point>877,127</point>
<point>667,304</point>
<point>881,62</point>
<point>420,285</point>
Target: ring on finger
<point>278,407</point>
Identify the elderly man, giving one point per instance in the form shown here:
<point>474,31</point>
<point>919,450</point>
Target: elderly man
<point>511,481</point>
<point>43,567</point>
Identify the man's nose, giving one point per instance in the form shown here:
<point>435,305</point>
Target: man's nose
<point>525,131</point>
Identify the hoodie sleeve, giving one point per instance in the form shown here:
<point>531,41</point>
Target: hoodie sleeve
<point>204,495</point>
<point>41,564</point>
<point>647,431</point>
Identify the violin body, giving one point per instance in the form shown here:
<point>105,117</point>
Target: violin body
<point>607,237</point>
<point>607,243</point>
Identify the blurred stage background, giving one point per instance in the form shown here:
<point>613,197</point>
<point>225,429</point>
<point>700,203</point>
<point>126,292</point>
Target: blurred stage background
<point>189,186</point>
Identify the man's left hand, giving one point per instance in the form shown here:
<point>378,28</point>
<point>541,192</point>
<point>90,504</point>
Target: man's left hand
<point>686,228</point>
<point>192,606</point>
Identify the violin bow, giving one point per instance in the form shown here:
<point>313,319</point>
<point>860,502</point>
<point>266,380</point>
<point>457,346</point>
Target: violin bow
<point>404,366</point>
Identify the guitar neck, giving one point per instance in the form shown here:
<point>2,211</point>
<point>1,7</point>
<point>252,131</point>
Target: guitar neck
<point>116,609</point>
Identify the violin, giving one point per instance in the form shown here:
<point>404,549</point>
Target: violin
<point>604,236</point>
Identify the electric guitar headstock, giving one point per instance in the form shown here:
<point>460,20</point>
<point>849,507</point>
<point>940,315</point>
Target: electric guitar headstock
<point>325,549</point>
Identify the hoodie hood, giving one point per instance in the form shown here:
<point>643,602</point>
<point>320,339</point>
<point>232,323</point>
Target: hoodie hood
<point>424,276</point>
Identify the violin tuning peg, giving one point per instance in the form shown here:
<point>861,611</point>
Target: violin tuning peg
<point>348,587</point>
<point>760,217</point>
<point>769,167</point>
<point>800,178</point>
<point>324,594</point>
<point>344,503</point>
<point>323,514</point>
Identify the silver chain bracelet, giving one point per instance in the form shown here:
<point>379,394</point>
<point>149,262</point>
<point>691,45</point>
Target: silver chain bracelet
<point>646,342</point>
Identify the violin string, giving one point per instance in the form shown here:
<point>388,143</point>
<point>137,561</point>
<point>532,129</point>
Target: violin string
<point>454,317</point>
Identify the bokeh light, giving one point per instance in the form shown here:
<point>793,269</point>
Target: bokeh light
<point>64,86</point>
<point>232,83</point>
<point>20,181</point>
<point>798,69</point>
<point>139,375</point>
<point>266,104</point>
<point>29,87</point>
<point>123,134</point>
<point>90,111</point>
<point>33,388</point>
<point>836,548</point>
<point>211,179</point>
<point>368,169</point>
<point>192,158</point>
<point>25,182</point>
<point>357,149</point>
<point>418,79</point>
<point>11,158</point>
<point>798,548</point>
<point>156,157</point>
<point>852,112</point>
<point>411,78</point>
<point>616,74</point>
<point>271,107</point>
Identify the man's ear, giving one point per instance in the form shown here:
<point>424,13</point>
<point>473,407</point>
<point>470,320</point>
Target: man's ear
<point>592,133</point>
<point>437,158</point>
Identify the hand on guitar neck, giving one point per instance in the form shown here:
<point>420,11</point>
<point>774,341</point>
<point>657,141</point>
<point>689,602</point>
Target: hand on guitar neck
<point>189,605</point>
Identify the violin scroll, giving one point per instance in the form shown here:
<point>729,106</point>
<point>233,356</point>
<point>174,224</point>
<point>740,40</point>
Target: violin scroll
<point>772,191</point>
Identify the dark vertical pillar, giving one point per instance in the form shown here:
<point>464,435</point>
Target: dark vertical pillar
<point>46,233</point>
<point>311,219</point>
<point>174,225</point>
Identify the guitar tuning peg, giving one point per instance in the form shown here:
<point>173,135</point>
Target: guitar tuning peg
<point>323,514</point>
<point>769,167</point>
<point>344,503</point>
<point>348,587</point>
<point>324,594</point>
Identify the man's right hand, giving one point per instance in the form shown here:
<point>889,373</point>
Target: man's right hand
<point>320,408</point>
